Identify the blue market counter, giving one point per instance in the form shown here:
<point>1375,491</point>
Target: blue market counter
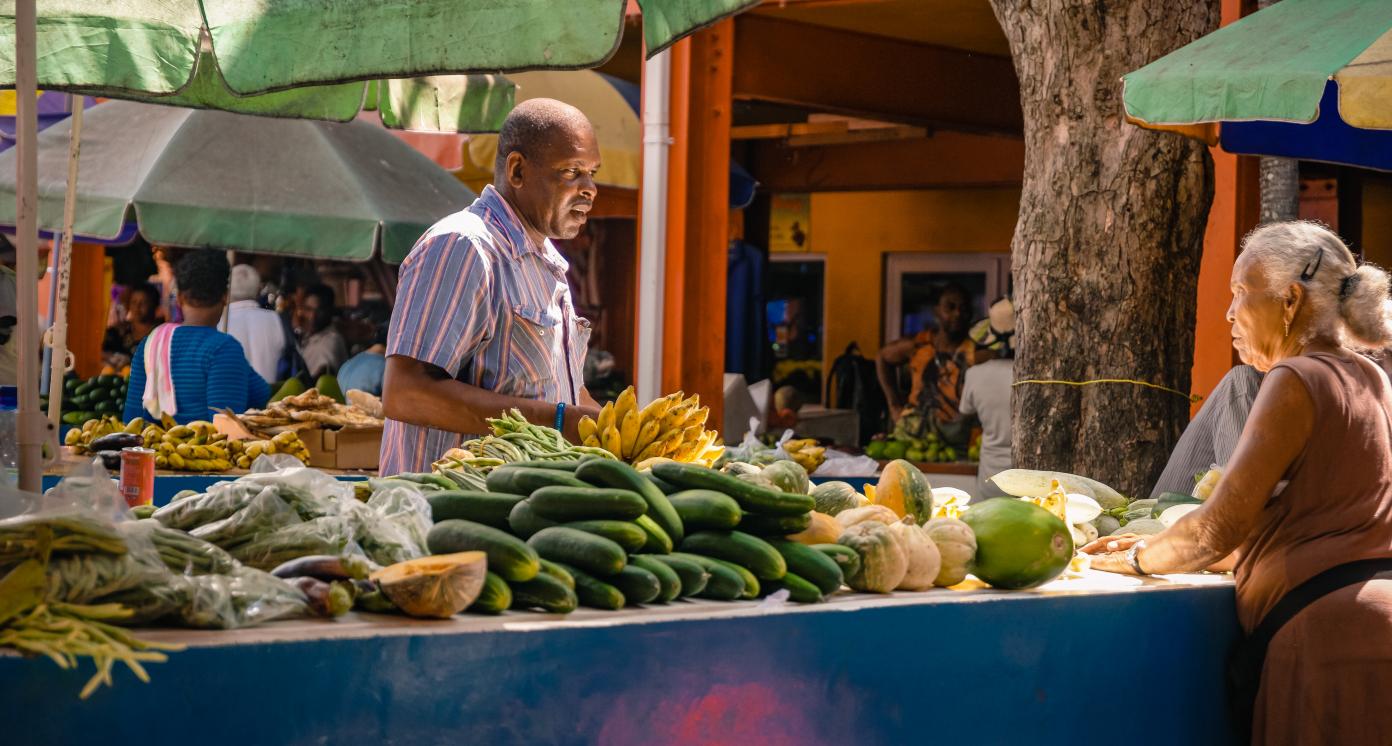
<point>1095,655</point>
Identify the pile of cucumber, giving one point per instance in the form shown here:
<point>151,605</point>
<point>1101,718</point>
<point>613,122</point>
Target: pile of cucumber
<point>91,399</point>
<point>598,533</point>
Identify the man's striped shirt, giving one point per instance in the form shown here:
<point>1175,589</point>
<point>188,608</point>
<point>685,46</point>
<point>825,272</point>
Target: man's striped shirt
<point>480,301</point>
<point>1212,435</point>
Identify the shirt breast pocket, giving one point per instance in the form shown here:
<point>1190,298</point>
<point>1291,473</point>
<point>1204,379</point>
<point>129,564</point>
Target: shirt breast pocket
<point>531,366</point>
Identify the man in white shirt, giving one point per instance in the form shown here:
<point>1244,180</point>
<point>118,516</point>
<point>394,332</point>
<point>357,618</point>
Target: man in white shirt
<point>986,396</point>
<point>258,329</point>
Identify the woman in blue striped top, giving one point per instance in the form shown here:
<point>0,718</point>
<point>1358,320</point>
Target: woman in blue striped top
<point>207,369</point>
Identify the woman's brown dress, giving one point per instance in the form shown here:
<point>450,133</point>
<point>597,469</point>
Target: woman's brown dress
<point>1328,674</point>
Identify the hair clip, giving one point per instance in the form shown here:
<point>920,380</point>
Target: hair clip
<point>1308,273</point>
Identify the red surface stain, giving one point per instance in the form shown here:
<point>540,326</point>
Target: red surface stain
<point>743,713</point>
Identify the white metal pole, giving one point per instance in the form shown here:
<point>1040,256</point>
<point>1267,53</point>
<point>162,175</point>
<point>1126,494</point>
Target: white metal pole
<point>30,435</point>
<point>652,251</point>
<point>63,261</point>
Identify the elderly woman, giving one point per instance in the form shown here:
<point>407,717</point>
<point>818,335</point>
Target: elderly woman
<point>1307,493</point>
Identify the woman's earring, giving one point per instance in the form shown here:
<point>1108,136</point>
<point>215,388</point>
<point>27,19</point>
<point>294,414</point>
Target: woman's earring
<point>1287,327</point>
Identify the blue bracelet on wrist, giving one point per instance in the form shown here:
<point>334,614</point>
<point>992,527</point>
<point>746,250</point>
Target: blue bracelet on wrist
<point>560,416</point>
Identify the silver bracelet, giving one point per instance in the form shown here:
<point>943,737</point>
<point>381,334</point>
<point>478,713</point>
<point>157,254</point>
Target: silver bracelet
<point>1133,555</point>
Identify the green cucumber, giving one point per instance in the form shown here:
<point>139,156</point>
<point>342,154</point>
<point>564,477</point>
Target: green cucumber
<point>428,479</point>
<point>671,582</point>
<point>774,525</point>
<point>595,593</point>
<point>740,548</point>
<point>667,487</point>
<point>751,583</point>
<point>555,570</point>
<point>618,475</point>
<point>564,503</point>
<point>844,557</point>
<point>1169,500</point>
<point>507,555</point>
<point>706,509</point>
<point>800,590</point>
<point>624,533</point>
<point>522,480</point>
<point>724,584</point>
<point>810,565</point>
<point>544,592</point>
<point>593,554</point>
<point>488,508</point>
<point>657,541</point>
<point>637,585</point>
<point>524,521</point>
<point>752,497</point>
<point>693,575</point>
<point>495,598</point>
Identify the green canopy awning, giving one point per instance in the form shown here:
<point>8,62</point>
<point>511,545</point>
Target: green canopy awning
<point>217,53</point>
<point>195,178</point>
<point>1274,65</point>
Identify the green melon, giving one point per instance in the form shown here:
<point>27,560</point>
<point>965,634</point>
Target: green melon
<point>1018,544</point>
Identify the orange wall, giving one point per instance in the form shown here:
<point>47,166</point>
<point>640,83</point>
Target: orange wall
<point>1376,240</point>
<point>854,230</point>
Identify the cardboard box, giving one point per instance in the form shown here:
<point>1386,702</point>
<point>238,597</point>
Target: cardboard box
<point>349,448</point>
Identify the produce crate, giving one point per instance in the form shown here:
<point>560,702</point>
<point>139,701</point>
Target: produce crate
<point>348,448</point>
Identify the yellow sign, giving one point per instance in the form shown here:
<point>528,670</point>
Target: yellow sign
<point>790,223</point>
<point>8,106</point>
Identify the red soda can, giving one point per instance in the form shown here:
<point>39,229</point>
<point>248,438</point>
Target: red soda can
<point>138,476</point>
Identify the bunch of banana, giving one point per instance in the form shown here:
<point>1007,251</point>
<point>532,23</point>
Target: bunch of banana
<point>245,452</point>
<point>79,438</point>
<point>671,427</point>
<point>806,453</point>
<point>197,446</point>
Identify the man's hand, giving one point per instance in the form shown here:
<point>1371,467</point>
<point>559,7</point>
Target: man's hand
<point>423,394</point>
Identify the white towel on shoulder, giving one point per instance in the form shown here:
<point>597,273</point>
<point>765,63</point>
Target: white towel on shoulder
<point>158,396</point>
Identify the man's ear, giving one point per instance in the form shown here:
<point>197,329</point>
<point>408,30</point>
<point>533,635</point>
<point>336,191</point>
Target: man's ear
<point>515,165</point>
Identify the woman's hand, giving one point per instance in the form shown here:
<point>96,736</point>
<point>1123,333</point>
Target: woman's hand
<point>1116,562</point>
<point>1107,544</point>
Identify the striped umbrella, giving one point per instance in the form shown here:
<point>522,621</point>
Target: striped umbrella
<point>1307,79</point>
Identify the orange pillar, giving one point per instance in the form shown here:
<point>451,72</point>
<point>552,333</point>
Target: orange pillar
<point>87,301</point>
<point>698,215</point>
<point>1236,199</point>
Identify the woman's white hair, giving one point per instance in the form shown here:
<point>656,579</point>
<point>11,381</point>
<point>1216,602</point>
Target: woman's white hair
<point>1347,301</point>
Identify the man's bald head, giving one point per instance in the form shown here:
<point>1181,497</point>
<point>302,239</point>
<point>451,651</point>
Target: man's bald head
<point>547,159</point>
<point>535,125</point>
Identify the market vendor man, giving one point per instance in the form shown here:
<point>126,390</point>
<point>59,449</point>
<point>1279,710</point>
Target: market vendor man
<point>483,320</point>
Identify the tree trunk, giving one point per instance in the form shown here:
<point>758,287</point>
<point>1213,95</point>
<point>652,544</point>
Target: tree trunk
<point>1107,247</point>
<point>1279,179</point>
<point>1280,189</point>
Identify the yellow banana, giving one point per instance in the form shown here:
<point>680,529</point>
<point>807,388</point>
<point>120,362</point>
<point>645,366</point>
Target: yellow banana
<point>647,434</point>
<point>653,451</point>
<point>627,402</point>
<point>672,442</point>
<point>612,441</point>
<point>184,450</point>
<point>697,417</point>
<point>592,441</point>
<point>676,416</point>
<point>628,432</point>
<point>657,408</point>
<point>175,461</point>
<point>692,434</point>
<point>588,428</point>
<point>606,418</point>
<point>687,452</point>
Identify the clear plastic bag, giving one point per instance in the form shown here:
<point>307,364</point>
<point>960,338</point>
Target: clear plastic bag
<point>97,554</point>
<point>263,514</point>
<point>332,534</point>
<point>393,524</point>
